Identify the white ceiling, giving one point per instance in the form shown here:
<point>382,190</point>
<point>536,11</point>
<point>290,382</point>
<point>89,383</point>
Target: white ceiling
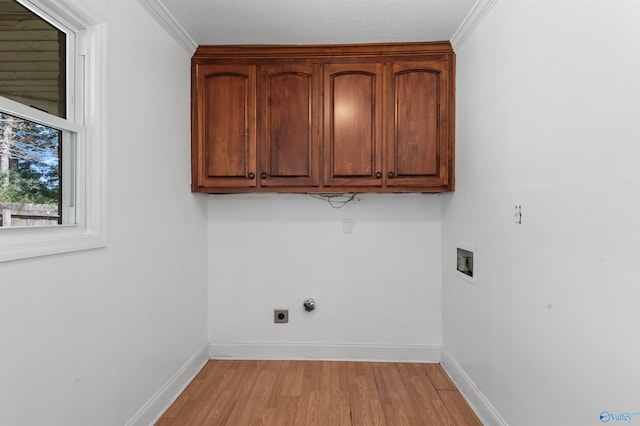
<point>314,21</point>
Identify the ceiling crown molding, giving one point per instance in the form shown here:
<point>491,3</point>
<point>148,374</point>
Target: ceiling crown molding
<point>70,12</point>
<point>475,16</point>
<point>161,14</point>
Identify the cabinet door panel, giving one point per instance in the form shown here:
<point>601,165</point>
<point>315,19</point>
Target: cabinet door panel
<point>226,129</point>
<point>417,123</point>
<point>289,98</point>
<point>418,146</point>
<point>353,124</point>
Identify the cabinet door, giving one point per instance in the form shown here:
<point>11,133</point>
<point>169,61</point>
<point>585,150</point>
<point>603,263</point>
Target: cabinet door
<point>289,115</point>
<point>419,124</point>
<point>224,144</point>
<point>353,124</point>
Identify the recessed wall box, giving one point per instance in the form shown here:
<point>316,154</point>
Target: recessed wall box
<point>466,262</point>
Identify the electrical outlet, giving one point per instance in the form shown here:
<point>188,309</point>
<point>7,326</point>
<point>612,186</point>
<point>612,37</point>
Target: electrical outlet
<point>518,214</point>
<point>280,316</point>
<point>347,226</point>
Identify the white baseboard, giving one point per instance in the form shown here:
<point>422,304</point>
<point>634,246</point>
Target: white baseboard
<point>158,404</point>
<point>487,414</point>
<point>323,351</point>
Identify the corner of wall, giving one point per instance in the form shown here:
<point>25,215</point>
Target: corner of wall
<point>471,393</point>
<point>161,14</point>
<point>471,22</point>
<point>158,404</point>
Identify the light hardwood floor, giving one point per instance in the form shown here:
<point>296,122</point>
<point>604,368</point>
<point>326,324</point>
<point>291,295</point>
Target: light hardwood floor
<point>307,393</point>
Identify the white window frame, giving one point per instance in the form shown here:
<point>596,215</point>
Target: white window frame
<point>86,38</point>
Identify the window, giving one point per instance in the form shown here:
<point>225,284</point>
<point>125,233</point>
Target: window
<point>30,173</point>
<point>51,141</point>
<point>33,73</point>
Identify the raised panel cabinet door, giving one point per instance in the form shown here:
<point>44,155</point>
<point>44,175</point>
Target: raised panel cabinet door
<point>418,144</point>
<point>289,114</point>
<point>353,124</point>
<point>224,147</point>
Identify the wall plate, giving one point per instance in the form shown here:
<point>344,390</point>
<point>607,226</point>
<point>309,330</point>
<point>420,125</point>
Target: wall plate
<point>280,316</point>
<point>467,262</point>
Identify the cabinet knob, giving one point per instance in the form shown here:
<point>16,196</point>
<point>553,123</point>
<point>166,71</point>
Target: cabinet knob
<point>378,175</point>
<point>390,175</point>
<point>263,175</point>
<point>251,175</point>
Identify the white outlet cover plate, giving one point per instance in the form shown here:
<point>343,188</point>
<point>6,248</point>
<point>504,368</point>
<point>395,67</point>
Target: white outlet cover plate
<point>347,226</point>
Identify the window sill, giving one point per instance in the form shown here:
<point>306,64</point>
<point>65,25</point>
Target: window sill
<point>21,243</point>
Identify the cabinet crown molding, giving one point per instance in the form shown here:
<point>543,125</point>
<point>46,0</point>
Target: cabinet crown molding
<point>323,50</point>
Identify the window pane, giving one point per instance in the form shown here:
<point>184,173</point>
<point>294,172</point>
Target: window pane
<point>30,173</point>
<point>32,59</point>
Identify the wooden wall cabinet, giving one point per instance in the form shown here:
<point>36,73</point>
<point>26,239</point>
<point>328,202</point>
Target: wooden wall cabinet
<point>288,119</point>
<point>419,123</point>
<point>224,139</point>
<point>353,112</point>
<point>331,118</point>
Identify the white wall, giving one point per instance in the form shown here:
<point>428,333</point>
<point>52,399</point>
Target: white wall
<point>378,289</point>
<point>548,97</point>
<point>89,338</point>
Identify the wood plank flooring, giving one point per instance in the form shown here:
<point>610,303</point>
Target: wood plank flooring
<point>319,393</point>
